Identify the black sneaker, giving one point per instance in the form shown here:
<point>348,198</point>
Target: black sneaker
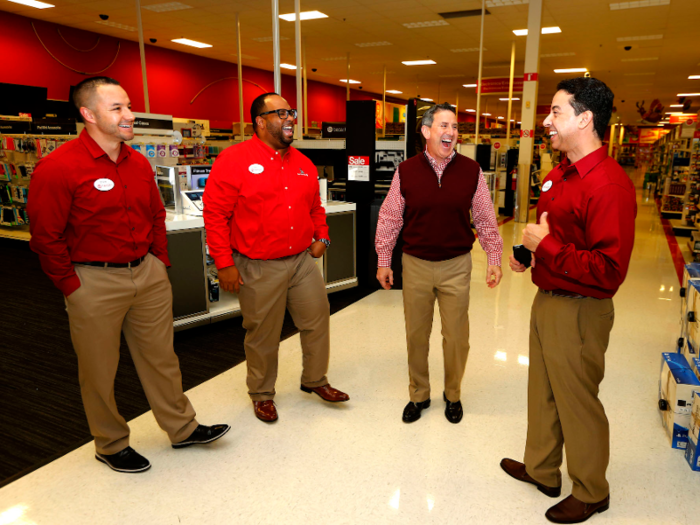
<point>453,411</point>
<point>203,435</point>
<point>412,411</point>
<point>128,460</point>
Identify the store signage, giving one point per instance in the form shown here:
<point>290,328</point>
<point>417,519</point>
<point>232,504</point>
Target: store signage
<point>333,130</point>
<point>530,77</point>
<point>683,119</point>
<point>152,123</point>
<point>527,133</point>
<point>54,126</point>
<point>499,86</point>
<point>220,131</point>
<point>15,126</point>
<point>496,145</point>
<point>200,170</point>
<point>358,168</point>
<point>542,146</point>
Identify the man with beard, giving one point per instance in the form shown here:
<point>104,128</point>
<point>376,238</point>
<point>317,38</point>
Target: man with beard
<point>429,203</point>
<point>581,247</point>
<point>98,226</point>
<point>265,224</point>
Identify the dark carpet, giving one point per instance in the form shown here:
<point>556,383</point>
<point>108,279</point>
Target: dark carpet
<point>41,412</point>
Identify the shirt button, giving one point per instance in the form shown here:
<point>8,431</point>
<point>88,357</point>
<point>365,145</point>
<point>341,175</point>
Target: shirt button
<point>132,229</point>
<point>290,247</point>
<point>292,227</point>
<point>285,187</point>
<point>129,208</point>
<point>552,198</point>
<point>290,207</point>
<point>125,185</point>
<point>272,158</point>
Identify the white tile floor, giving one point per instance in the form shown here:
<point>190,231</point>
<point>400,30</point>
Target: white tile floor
<point>357,463</point>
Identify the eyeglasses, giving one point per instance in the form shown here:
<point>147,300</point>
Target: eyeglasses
<point>281,113</point>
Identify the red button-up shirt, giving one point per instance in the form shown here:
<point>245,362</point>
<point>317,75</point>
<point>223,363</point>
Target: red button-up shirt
<point>73,221</point>
<point>591,208</point>
<point>261,204</point>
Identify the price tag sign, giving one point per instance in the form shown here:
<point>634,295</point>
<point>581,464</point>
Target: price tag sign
<point>358,168</point>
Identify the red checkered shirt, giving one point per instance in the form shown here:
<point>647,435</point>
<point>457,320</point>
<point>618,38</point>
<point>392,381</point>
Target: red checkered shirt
<point>391,217</point>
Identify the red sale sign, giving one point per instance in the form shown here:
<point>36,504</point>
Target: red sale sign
<point>358,168</point>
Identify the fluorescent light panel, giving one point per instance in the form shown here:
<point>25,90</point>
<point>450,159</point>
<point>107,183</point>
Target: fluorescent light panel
<point>694,77</point>
<point>188,42</point>
<point>429,23</point>
<point>545,31</point>
<point>305,15</point>
<point>351,81</point>
<point>115,25</point>
<point>572,70</point>
<point>471,111</point>
<point>469,85</point>
<point>394,91</point>
<point>33,3</point>
<point>426,99</point>
<point>616,6</point>
<point>486,114</point>
<point>506,99</point>
<point>638,38</point>
<point>688,95</point>
<point>676,106</point>
<point>287,66</point>
<point>418,62</point>
<point>503,3</point>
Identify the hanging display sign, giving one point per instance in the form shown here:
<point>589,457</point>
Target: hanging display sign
<point>333,130</point>
<point>499,86</point>
<point>358,168</point>
<point>527,133</point>
<point>153,124</point>
<point>15,126</point>
<point>52,126</point>
<point>683,119</point>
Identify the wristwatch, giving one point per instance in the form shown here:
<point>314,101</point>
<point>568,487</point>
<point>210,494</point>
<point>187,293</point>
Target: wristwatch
<point>326,242</point>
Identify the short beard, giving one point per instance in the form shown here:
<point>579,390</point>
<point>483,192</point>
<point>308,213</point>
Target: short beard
<point>278,134</point>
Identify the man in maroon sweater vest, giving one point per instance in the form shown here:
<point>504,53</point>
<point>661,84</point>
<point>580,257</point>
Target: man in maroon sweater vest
<point>429,201</point>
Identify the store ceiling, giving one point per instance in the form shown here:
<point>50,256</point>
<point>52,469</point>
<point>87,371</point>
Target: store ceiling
<point>591,32</point>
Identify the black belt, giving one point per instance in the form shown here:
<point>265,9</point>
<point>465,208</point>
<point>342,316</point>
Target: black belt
<point>562,293</point>
<point>131,264</point>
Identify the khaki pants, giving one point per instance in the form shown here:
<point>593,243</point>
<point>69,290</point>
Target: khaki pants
<point>270,287</point>
<point>568,339</point>
<point>137,301</point>
<point>423,282</point>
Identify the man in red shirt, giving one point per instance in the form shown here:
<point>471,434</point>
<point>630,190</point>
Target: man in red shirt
<point>581,248</point>
<point>262,212</point>
<point>98,226</point>
<point>429,204</point>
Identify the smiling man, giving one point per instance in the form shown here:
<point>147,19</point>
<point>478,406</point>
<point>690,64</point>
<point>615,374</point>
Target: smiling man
<point>581,248</point>
<point>265,225</point>
<point>429,202</point>
<point>98,226</point>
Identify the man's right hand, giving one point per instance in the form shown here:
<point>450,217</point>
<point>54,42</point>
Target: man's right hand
<point>385,276</point>
<point>518,267</point>
<point>230,279</point>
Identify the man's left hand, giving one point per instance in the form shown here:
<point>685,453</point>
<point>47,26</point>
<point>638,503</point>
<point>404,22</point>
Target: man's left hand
<point>533,234</point>
<point>317,249</point>
<point>493,276</point>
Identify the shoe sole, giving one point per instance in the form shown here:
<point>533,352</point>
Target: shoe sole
<point>267,420</point>
<point>189,443</point>
<point>419,414</point>
<point>597,511</point>
<point>309,391</point>
<point>541,488</point>
<point>129,471</point>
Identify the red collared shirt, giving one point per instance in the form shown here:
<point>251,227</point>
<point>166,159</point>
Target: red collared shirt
<point>591,208</point>
<point>261,204</point>
<point>72,221</point>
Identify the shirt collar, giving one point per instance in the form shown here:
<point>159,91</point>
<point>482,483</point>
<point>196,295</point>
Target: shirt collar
<point>435,163</point>
<point>585,165</point>
<point>96,151</point>
<point>268,149</point>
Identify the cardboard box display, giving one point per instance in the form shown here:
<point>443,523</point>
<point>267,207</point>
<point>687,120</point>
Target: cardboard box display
<point>690,319</point>
<point>689,351</point>
<point>690,271</point>
<point>692,452</point>
<point>695,366</point>
<point>677,382</point>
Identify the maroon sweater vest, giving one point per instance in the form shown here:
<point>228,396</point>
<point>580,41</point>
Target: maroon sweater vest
<point>437,225</point>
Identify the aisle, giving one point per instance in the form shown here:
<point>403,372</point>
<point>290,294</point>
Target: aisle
<point>358,463</point>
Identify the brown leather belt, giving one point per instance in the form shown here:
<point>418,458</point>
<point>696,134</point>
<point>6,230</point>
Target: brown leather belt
<point>131,264</point>
<point>562,293</point>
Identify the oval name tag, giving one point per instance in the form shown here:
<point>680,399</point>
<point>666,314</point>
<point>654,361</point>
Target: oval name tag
<point>547,185</point>
<point>104,184</point>
<point>256,169</point>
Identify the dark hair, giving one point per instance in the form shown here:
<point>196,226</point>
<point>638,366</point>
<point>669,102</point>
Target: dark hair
<point>83,92</point>
<point>258,105</point>
<point>427,119</point>
<point>590,94</point>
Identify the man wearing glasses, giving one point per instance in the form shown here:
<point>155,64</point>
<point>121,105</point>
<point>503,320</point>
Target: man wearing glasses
<point>265,224</point>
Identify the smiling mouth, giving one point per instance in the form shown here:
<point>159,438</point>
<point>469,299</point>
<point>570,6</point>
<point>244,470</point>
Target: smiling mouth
<point>446,142</point>
<point>126,126</point>
<point>288,129</point>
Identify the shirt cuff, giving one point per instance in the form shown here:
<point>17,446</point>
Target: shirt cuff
<point>494,259</point>
<point>224,262</point>
<point>548,248</point>
<point>69,285</point>
<point>383,261</point>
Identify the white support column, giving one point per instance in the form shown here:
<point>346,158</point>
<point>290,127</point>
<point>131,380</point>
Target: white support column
<point>241,109</point>
<point>305,70</point>
<point>276,46</point>
<point>384,105</point>
<point>347,80</point>
<point>142,49</point>
<point>529,109</point>
<point>297,39</point>
<point>478,83</point>
<point>510,94</point>
<point>613,128</point>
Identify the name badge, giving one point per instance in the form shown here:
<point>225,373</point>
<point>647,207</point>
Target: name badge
<point>256,169</point>
<point>104,184</point>
<point>547,185</point>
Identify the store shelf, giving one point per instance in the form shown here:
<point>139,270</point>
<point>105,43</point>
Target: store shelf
<point>681,228</point>
<point>320,144</point>
<point>9,233</point>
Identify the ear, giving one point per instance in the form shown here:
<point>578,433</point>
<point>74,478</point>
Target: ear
<point>585,119</point>
<point>425,130</point>
<point>87,114</point>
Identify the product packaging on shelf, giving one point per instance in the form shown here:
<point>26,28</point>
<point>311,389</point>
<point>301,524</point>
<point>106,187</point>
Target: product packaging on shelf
<point>677,383</point>
<point>690,320</point>
<point>692,452</point>
<point>695,366</point>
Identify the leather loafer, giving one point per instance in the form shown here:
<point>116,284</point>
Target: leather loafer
<point>203,435</point>
<point>127,460</point>
<point>453,411</point>
<point>327,393</point>
<point>265,410</point>
<point>516,470</point>
<point>412,411</point>
<point>571,510</point>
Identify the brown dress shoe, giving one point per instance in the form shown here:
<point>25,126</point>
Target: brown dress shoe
<point>327,392</point>
<point>265,410</point>
<point>571,510</point>
<point>516,470</point>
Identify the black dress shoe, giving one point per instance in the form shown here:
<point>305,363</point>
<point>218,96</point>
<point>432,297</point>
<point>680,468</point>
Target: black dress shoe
<point>571,510</point>
<point>127,460</point>
<point>453,411</point>
<point>517,470</point>
<point>203,435</point>
<point>412,411</point>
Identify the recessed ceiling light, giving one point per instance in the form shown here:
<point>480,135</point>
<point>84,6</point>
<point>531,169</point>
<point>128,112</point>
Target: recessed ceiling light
<point>676,106</point>
<point>188,42</point>
<point>287,66</point>
<point>550,55</point>
<point>502,3</point>
<point>545,31</point>
<point>641,59</point>
<point>351,81</point>
<point>640,3</point>
<point>374,44</point>
<point>170,6</point>
<point>694,77</point>
<point>501,117</point>
<point>426,99</point>
<point>394,91</point>
<point>572,70</point>
<point>519,122</point>
<point>638,38</point>
<point>419,63</point>
<point>471,111</point>
<point>115,25</point>
<point>33,3</point>
<point>486,114</point>
<point>688,95</point>
<point>429,23</point>
<point>306,15</point>
<point>514,98</point>
<point>469,85</point>
<point>453,105</point>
